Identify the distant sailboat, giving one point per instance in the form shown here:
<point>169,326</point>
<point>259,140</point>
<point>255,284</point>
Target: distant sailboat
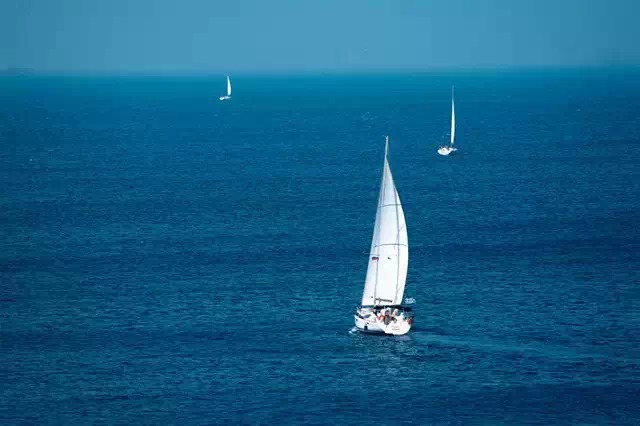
<point>449,149</point>
<point>381,310</point>
<point>228,95</point>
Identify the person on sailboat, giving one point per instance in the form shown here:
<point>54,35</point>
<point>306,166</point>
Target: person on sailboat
<point>387,317</point>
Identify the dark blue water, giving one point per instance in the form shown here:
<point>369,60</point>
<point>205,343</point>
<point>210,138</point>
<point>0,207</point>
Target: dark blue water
<point>170,258</point>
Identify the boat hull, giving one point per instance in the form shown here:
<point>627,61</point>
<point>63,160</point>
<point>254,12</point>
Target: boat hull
<point>224,98</point>
<point>445,150</point>
<point>395,328</point>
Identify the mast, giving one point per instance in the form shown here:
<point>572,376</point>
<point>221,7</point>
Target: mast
<point>453,118</point>
<point>396,202</point>
<point>380,200</point>
<point>386,147</point>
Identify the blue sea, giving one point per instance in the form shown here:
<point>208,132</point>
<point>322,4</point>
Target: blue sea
<point>169,258</point>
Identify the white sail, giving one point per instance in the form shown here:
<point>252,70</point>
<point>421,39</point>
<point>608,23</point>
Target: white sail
<point>228,86</point>
<point>389,255</point>
<point>453,119</point>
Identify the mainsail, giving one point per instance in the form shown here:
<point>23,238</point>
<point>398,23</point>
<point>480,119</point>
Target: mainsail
<point>228,86</point>
<point>453,119</point>
<point>389,255</point>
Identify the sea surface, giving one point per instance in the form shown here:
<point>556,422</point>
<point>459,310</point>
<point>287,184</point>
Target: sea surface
<point>169,258</point>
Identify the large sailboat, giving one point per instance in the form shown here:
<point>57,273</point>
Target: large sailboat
<point>228,95</point>
<point>450,149</point>
<point>381,309</point>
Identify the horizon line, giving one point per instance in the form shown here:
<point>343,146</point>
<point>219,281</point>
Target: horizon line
<point>26,71</point>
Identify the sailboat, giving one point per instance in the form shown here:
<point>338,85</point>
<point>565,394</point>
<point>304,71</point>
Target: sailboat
<point>381,309</point>
<point>449,149</point>
<point>228,95</point>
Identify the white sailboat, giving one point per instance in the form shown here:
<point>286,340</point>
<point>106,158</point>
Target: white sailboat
<point>381,310</point>
<point>228,95</point>
<point>449,149</point>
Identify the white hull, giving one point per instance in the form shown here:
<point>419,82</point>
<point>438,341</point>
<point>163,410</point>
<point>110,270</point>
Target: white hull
<point>372,325</point>
<point>224,98</point>
<point>446,150</point>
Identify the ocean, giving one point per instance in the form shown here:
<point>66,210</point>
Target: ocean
<point>170,258</point>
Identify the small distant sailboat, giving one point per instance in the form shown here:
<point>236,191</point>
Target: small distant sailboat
<point>449,149</point>
<point>381,311</point>
<point>228,95</point>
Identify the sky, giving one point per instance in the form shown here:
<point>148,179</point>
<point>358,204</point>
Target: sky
<point>210,36</point>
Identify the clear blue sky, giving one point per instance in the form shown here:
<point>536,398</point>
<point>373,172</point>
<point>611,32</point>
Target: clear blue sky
<point>306,35</point>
